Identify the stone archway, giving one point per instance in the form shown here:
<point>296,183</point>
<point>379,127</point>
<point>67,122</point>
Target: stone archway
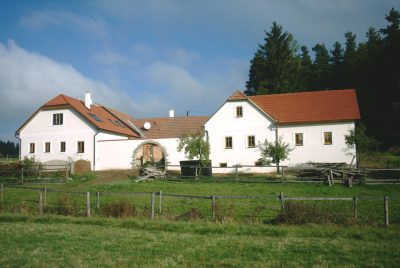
<point>149,152</point>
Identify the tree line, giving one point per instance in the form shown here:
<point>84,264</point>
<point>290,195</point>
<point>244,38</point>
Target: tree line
<point>281,65</point>
<point>8,148</point>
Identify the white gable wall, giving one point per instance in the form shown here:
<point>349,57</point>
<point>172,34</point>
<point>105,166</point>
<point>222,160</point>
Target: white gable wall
<point>40,129</point>
<point>313,148</point>
<point>117,154</point>
<point>224,123</point>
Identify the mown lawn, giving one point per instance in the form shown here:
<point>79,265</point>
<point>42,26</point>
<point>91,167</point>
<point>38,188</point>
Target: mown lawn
<point>55,241</point>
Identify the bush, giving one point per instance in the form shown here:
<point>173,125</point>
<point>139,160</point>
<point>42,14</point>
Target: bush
<point>224,214</point>
<point>301,213</point>
<point>192,214</point>
<point>83,176</point>
<point>24,208</point>
<point>66,206</point>
<point>119,209</point>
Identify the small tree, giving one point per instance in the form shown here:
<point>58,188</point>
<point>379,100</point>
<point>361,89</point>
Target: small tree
<point>195,147</point>
<point>274,152</point>
<point>357,142</point>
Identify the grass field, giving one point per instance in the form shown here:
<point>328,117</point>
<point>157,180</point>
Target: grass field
<point>52,241</point>
<point>29,240</point>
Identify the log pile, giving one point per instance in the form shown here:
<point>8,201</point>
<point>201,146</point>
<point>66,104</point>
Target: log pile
<point>151,173</point>
<point>331,172</point>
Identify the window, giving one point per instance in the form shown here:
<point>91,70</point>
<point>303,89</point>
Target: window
<point>57,119</point>
<point>47,147</point>
<point>328,138</point>
<point>81,146</point>
<point>251,141</point>
<point>239,111</point>
<point>228,142</point>
<point>31,148</point>
<point>298,139</point>
<point>95,117</point>
<point>62,147</point>
<point>223,164</point>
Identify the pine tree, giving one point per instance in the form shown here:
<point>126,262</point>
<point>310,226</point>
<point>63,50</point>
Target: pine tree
<point>275,66</point>
<point>321,67</point>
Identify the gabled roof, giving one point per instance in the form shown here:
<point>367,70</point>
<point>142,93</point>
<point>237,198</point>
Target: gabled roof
<point>310,107</point>
<point>171,127</point>
<point>97,115</point>
<point>237,95</point>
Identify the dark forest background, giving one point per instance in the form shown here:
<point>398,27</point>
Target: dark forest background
<point>281,65</point>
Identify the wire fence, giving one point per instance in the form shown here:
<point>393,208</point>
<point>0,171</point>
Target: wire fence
<point>376,210</point>
<point>18,173</point>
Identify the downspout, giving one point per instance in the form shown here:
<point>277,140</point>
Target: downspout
<point>19,147</point>
<point>94,149</point>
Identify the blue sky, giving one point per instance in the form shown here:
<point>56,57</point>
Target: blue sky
<point>146,57</point>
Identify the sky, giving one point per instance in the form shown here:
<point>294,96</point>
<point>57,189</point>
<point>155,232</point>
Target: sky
<point>147,57</point>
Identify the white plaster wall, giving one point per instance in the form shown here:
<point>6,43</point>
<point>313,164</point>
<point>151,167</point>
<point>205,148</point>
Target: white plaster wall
<point>313,148</point>
<point>40,130</point>
<point>224,123</point>
<point>117,154</point>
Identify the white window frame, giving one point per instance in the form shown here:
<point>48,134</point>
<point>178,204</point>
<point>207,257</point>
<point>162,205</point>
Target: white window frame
<point>323,137</point>
<point>45,149</point>
<point>247,142</point>
<point>32,145</point>
<point>228,148</point>
<point>294,138</point>
<point>65,147</point>
<point>57,119</point>
<point>77,149</point>
<point>236,111</point>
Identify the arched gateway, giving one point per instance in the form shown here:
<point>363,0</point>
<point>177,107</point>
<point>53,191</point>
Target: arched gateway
<point>149,152</point>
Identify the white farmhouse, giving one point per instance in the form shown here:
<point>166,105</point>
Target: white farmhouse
<point>68,129</point>
<point>313,123</point>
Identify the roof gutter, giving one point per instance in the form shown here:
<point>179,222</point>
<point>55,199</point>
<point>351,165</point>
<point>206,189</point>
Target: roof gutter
<point>19,142</point>
<point>94,149</point>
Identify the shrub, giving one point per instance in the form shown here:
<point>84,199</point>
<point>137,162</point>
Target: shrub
<point>119,209</point>
<point>224,214</point>
<point>66,206</point>
<point>191,214</point>
<point>301,213</point>
<point>24,208</point>
<point>83,176</point>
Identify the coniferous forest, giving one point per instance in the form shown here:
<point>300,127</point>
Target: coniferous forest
<point>281,65</point>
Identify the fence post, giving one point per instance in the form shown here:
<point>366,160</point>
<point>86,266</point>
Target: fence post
<point>283,174</point>
<point>365,175</point>
<point>213,207</point>
<point>386,208</point>
<point>45,196</point>
<point>355,200</point>
<point>22,174</point>
<point>40,203</point>
<point>88,204</point>
<point>66,173</point>
<point>98,200</point>
<point>153,196</point>
<point>2,193</point>
<point>160,205</point>
<point>236,173</point>
<point>281,198</point>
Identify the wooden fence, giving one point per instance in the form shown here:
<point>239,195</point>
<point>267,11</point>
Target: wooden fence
<point>156,203</point>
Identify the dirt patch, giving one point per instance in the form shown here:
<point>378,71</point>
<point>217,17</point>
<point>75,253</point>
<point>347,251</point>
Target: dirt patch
<point>106,176</point>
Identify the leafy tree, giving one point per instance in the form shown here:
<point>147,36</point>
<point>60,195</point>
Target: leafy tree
<point>195,147</point>
<point>357,142</point>
<point>274,67</point>
<point>274,152</point>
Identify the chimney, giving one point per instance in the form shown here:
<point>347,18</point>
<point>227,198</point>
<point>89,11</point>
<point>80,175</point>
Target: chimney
<point>88,100</point>
<point>172,113</point>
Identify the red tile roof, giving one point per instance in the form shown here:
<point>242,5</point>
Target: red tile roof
<point>237,95</point>
<point>171,127</point>
<point>118,122</point>
<point>109,122</point>
<point>310,107</point>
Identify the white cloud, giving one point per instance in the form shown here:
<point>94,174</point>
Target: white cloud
<point>39,20</point>
<point>28,80</point>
